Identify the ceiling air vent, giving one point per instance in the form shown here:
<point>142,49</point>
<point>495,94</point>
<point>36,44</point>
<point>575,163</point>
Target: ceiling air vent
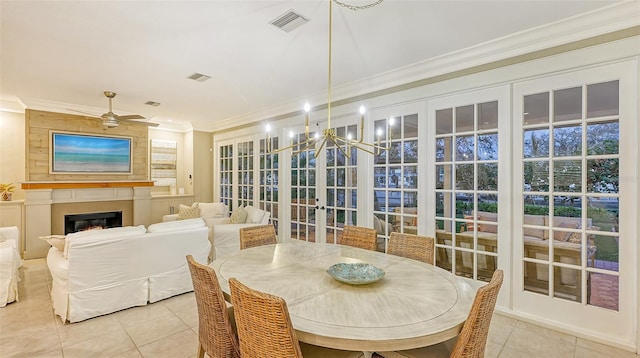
<point>199,77</point>
<point>289,21</point>
<point>152,103</point>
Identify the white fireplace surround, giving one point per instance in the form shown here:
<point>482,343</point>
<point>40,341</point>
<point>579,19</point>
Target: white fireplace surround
<point>38,209</point>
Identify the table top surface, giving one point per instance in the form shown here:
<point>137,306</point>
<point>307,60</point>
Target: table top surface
<point>413,305</point>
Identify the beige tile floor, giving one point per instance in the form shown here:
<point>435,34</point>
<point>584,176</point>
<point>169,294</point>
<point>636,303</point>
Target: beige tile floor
<point>168,328</point>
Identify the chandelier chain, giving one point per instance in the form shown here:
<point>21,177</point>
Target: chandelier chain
<point>357,7</point>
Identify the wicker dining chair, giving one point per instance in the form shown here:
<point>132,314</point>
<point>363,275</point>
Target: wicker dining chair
<point>472,340</point>
<point>421,248</point>
<point>257,235</point>
<point>358,236</point>
<point>265,329</point>
<point>216,336</point>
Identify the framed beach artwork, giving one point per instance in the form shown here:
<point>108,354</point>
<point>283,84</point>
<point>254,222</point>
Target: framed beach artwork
<point>75,153</point>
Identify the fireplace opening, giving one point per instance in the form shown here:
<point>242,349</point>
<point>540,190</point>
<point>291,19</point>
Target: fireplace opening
<point>89,221</point>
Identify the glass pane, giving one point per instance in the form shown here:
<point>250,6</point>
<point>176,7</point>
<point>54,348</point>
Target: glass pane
<point>567,175</point>
<point>488,176</point>
<point>602,214</point>
<point>444,176</point>
<point>394,181</point>
<point>488,147</point>
<point>411,126</point>
<point>464,119</point>
<point>536,277</point>
<point>567,207</point>
<point>411,151</point>
<point>395,152</point>
<point>380,176</point>
<point>488,203</point>
<point>396,127</point>
<point>603,138</point>
<point>604,291</point>
<point>488,115</point>
<point>536,176</point>
<point>352,177</point>
<point>444,121</point>
<point>443,149</point>
<point>444,205</point>
<point>568,283</point>
<point>567,141</point>
<point>379,200</point>
<point>602,99</point>
<point>464,264</point>
<point>536,108</point>
<point>567,104</point>
<point>602,175</point>
<point>464,148</point>
<point>536,143</point>
<point>464,176</point>
<point>486,267</point>
<point>410,177</point>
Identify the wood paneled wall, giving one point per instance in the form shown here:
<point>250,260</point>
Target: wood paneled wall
<point>39,123</point>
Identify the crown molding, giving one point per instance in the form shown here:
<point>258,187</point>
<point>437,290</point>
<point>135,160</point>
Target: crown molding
<point>616,17</point>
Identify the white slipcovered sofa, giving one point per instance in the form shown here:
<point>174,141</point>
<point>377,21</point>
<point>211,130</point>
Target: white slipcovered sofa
<point>103,271</point>
<point>224,231</point>
<point>10,262</point>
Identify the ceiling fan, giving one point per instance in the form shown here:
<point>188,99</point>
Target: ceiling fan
<point>112,120</point>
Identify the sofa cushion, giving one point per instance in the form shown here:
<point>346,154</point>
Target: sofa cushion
<point>254,215</point>
<point>538,220</point>
<point>176,225</point>
<point>239,216</point>
<point>189,212</point>
<point>106,234</point>
<point>212,210</point>
<point>57,242</point>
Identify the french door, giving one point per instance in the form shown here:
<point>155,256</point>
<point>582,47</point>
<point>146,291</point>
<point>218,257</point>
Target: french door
<point>323,187</point>
<point>574,166</point>
<point>470,152</point>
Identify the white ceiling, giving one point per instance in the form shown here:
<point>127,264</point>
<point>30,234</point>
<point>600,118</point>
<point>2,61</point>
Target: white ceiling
<point>66,53</point>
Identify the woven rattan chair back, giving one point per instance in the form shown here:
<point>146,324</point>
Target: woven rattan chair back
<point>215,334</point>
<point>473,337</point>
<point>358,236</point>
<point>421,248</point>
<point>263,322</point>
<point>257,235</point>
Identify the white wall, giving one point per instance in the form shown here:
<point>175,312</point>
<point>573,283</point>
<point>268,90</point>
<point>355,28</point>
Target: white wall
<point>12,150</point>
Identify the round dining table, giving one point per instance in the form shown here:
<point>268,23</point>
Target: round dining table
<point>414,305</point>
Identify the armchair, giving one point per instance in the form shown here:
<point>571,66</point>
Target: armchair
<point>10,262</point>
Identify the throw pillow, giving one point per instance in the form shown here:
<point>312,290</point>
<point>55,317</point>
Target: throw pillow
<point>564,235</point>
<point>239,216</point>
<point>57,242</point>
<point>212,210</point>
<point>574,237</point>
<point>254,215</point>
<point>189,212</point>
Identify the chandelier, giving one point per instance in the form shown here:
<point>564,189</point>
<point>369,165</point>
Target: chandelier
<point>329,135</point>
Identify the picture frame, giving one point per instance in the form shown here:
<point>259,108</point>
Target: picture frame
<point>86,153</point>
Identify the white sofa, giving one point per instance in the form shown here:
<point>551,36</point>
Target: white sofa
<point>10,262</point>
<point>223,235</point>
<point>103,271</point>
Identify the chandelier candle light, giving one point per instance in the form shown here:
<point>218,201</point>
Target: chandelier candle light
<point>343,144</point>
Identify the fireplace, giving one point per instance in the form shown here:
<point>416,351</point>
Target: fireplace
<point>89,221</point>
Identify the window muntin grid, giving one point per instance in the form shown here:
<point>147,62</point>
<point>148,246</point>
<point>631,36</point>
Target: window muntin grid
<point>467,189</point>
<point>396,177</point>
<point>268,174</point>
<point>245,173</point>
<point>226,175</point>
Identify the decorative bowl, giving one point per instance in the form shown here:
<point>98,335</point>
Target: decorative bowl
<point>356,273</point>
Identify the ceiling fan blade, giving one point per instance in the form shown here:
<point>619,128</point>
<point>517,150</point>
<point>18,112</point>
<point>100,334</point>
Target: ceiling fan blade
<point>132,116</point>
<point>148,124</point>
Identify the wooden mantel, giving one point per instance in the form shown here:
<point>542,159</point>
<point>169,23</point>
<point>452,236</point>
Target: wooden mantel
<point>85,184</point>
